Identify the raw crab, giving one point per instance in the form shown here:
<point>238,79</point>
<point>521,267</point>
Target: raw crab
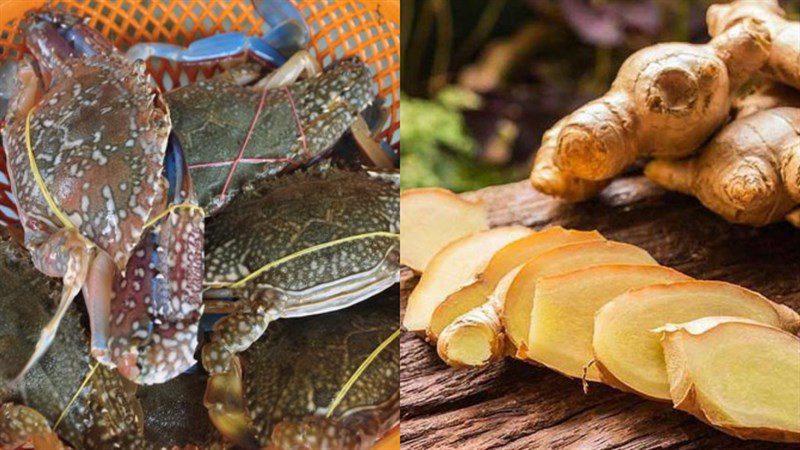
<point>86,141</point>
<point>304,244</point>
<point>103,413</point>
<point>235,128</point>
<point>214,117</point>
<point>281,392</point>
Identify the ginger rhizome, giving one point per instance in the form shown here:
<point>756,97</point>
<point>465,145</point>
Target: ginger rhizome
<point>748,173</point>
<point>784,58</point>
<point>666,101</point>
<point>521,293</point>
<point>482,326</point>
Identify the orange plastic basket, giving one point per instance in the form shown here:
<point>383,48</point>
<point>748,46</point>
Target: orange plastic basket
<point>339,28</point>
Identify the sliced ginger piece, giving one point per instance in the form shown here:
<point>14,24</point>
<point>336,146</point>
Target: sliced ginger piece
<point>562,319</point>
<point>456,265</point>
<point>504,261</point>
<point>739,376</point>
<point>518,301</point>
<point>476,338</point>
<point>431,218</point>
<point>628,355</point>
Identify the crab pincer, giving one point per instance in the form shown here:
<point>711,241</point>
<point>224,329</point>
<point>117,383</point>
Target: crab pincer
<point>86,141</point>
<point>157,304</point>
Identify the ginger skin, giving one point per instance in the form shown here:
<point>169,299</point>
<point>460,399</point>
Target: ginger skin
<point>748,173</point>
<point>665,102</point>
<point>784,58</point>
<point>765,96</point>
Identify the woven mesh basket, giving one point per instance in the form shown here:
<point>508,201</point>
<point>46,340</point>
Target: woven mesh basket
<point>339,28</point>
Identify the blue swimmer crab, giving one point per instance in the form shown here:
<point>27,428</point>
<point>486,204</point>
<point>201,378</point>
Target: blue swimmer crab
<point>105,203</point>
<point>232,129</point>
<point>305,243</point>
<point>286,391</point>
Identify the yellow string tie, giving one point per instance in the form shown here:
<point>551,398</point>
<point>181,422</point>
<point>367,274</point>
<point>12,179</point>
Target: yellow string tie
<point>75,397</point>
<point>38,177</point>
<point>305,251</point>
<point>169,210</point>
<point>363,367</point>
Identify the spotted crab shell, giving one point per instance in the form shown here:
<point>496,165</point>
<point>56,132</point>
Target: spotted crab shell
<point>99,135</point>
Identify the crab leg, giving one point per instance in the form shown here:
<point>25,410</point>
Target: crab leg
<point>20,425</point>
<point>300,63</point>
<point>73,269</point>
<point>227,408</point>
<point>237,331</point>
<point>97,293</point>
<point>288,29</point>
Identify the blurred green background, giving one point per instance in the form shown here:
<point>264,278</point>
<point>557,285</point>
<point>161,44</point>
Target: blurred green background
<point>482,80</point>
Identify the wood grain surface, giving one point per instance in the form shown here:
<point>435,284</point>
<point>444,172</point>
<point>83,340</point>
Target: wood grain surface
<point>515,405</point>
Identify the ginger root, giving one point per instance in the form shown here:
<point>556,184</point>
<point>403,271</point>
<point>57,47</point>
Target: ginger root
<point>760,395</point>
<point>748,173</point>
<point>666,101</point>
<point>784,58</point>
<point>431,218</point>
<point>765,96</point>
<point>627,352</point>
<point>612,302</point>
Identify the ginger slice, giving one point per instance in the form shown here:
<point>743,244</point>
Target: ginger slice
<point>457,264</point>
<point>739,376</point>
<point>518,301</point>
<point>628,355</point>
<point>562,319</point>
<point>505,260</point>
<point>431,218</point>
<point>476,338</point>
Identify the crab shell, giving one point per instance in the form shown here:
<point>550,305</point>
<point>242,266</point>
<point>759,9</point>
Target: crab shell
<point>278,218</point>
<point>99,132</point>
<point>295,125</point>
<point>281,389</point>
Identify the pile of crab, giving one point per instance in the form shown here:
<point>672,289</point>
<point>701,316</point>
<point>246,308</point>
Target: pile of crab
<point>187,221</point>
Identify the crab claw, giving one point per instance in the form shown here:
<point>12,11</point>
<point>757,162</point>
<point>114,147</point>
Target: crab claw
<point>53,38</point>
<point>157,303</point>
<point>288,29</point>
<point>227,408</point>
